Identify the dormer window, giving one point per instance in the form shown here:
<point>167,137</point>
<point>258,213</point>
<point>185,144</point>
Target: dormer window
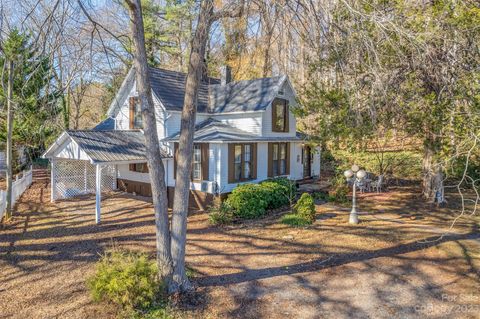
<point>280,115</point>
<point>136,121</point>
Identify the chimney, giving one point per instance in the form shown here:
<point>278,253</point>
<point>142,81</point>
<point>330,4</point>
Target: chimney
<point>226,75</point>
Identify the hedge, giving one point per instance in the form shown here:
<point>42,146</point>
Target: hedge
<point>253,200</point>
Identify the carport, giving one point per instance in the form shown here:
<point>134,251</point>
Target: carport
<point>85,162</point>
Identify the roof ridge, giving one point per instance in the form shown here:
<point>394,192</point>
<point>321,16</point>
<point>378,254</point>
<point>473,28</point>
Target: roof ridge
<point>248,80</point>
<point>91,130</point>
<point>157,69</point>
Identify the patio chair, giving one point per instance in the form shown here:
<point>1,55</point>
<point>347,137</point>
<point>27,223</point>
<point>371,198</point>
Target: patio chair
<point>362,186</point>
<point>378,184</point>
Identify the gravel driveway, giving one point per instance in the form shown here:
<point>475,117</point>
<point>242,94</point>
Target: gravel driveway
<point>260,269</point>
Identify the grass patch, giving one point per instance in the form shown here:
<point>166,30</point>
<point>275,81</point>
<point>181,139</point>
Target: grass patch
<point>295,220</point>
<point>190,272</point>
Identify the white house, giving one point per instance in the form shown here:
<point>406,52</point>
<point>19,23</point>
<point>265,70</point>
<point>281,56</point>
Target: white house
<point>245,133</point>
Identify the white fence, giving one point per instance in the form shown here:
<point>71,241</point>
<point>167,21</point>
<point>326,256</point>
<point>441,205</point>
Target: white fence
<point>18,187</point>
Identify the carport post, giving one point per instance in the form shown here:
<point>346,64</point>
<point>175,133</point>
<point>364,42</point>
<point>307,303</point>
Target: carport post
<point>115,174</point>
<point>85,177</point>
<point>98,192</point>
<point>53,182</point>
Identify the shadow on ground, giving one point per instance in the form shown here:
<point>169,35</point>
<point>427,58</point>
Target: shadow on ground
<point>390,265</point>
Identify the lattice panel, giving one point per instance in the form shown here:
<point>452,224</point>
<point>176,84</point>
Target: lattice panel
<point>74,178</point>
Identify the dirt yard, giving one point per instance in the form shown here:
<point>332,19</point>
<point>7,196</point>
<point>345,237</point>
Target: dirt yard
<point>392,265</point>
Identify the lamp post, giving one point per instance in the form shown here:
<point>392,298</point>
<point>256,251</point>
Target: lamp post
<point>357,174</point>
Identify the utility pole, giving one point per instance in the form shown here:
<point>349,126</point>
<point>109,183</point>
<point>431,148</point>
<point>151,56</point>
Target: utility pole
<point>8,213</point>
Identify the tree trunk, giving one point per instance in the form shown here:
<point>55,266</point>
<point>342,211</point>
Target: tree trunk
<point>9,154</point>
<point>427,169</point>
<point>433,188</point>
<point>154,160</point>
<point>185,149</point>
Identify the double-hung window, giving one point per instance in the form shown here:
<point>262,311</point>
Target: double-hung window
<point>247,161</point>
<point>197,162</point>
<point>136,120</point>
<point>242,162</point>
<point>200,158</point>
<point>280,115</point>
<point>279,159</point>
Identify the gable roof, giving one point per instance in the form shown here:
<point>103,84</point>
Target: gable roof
<point>169,87</point>
<point>240,96</point>
<point>105,146</point>
<point>105,125</point>
<point>212,130</point>
<point>246,95</point>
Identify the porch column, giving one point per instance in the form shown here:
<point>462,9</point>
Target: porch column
<point>115,174</point>
<point>98,192</point>
<point>53,182</point>
<point>85,177</point>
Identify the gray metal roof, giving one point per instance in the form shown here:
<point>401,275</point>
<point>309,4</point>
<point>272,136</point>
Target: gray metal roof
<point>212,130</point>
<point>247,95</point>
<point>111,146</point>
<point>169,87</point>
<point>105,125</point>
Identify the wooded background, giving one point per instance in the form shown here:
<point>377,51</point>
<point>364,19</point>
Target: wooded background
<point>370,75</point>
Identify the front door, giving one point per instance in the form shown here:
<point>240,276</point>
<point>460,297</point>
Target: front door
<point>307,163</point>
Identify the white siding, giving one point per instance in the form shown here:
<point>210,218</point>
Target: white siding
<point>122,118</point>
<point>169,172</point>
<point>316,162</point>
<point>267,115</point>
<point>70,150</point>
<point>215,162</point>
<point>124,172</point>
<point>250,122</point>
<point>262,167</point>
<point>173,120</point>
<point>296,166</point>
<point>257,123</point>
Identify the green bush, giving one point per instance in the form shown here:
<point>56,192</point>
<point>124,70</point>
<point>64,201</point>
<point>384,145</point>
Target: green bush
<point>339,190</point>
<point>130,280</point>
<point>276,194</point>
<point>291,186</point>
<point>248,201</point>
<point>305,207</point>
<point>220,214</point>
<point>295,220</point>
<point>321,196</point>
<point>253,200</point>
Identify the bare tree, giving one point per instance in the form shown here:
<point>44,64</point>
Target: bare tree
<point>185,150</point>
<point>154,160</point>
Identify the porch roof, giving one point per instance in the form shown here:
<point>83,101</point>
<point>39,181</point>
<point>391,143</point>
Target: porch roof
<point>212,130</point>
<point>100,146</point>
